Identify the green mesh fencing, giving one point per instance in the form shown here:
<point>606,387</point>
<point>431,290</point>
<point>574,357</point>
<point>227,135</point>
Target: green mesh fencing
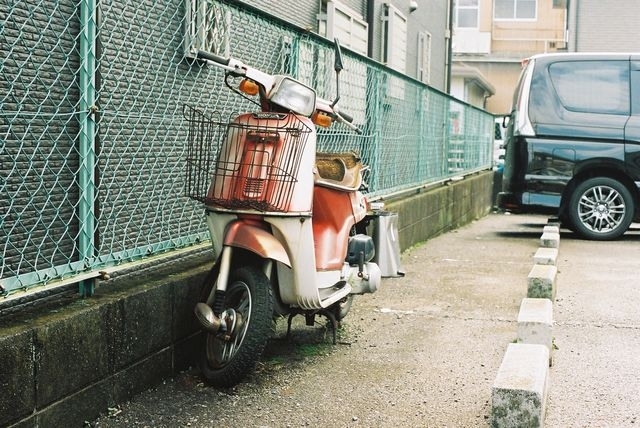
<point>93,139</point>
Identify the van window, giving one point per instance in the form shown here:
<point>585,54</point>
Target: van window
<point>592,86</point>
<point>635,87</point>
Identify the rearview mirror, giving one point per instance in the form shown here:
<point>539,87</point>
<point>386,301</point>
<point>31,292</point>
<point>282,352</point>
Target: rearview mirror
<point>337,66</point>
<point>337,56</point>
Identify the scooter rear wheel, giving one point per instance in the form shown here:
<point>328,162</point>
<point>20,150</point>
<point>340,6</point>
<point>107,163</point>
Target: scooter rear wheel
<point>227,358</point>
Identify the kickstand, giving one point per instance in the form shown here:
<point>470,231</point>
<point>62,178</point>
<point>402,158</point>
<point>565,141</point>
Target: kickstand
<point>335,324</point>
<point>291,315</point>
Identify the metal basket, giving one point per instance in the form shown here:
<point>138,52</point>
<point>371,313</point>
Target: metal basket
<point>256,160</point>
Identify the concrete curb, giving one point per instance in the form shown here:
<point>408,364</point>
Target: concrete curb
<point>546,256</point>
<point>519,393</point>
<point>535,323</point>
<point>541,281</point>
<point>550,237</point>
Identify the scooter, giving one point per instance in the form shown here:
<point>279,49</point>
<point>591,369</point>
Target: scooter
<point>288,224</point>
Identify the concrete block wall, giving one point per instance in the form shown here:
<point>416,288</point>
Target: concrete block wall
<point>66,364</point>
<point>443,208</point>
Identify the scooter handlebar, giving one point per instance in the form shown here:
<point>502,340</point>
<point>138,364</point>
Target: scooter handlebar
<point>230,65</point>
<point>212,57</point>
<point>347,119</point>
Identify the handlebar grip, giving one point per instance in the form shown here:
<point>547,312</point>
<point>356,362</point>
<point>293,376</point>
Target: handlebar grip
<point>346,117</point>
<point>213,57</point>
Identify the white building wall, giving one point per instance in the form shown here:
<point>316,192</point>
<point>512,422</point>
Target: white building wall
<point>604,25</point>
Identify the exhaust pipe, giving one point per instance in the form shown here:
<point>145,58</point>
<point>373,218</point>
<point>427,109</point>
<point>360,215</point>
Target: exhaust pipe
<point>208,320</point>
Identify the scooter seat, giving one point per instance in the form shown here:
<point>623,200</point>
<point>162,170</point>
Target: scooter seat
<point>339,170</point>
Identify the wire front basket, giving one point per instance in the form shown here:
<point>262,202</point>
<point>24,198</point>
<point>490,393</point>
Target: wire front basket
<point>250,163</point>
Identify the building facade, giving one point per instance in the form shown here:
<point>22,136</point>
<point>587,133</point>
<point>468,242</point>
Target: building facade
<point>492,37</point>
<point>407,35</point>
<point>490,40</point>
<point>603,25</point>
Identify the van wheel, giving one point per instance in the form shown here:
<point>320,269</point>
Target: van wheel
<point>601,209</point>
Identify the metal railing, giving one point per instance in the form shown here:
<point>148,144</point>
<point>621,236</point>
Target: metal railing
<point>93,139</point>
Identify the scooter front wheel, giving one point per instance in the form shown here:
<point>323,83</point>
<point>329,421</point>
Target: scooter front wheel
<point>227,357</point>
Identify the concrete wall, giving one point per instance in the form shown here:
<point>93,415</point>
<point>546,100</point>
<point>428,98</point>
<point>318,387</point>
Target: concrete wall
<point>66,363</point>
<point>446,207</point>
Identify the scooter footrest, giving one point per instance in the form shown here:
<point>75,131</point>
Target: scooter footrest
<point>330,295</point>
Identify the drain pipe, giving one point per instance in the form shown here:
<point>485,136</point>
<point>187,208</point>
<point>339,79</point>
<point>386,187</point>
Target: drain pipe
<point>449,46</point>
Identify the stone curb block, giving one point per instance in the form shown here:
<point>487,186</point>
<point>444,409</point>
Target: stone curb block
<point>546,256</point>
<point>550,240</point>
<point>519,392</point>
<point>535,323</point>
<point>541,282</point>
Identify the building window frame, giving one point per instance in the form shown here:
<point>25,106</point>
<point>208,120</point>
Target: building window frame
<point>353,32</point>
<point>394,48</point>
<point>423,69</point>
<point>206,28</point>
<point>465,9</point>
<point>394,39</point>
<point>516,10</point>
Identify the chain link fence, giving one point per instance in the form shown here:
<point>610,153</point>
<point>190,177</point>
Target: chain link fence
<point>93,138</point>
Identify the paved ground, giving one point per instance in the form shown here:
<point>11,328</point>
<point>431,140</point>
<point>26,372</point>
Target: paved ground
<point>595,378</point>
<point>424,350</point>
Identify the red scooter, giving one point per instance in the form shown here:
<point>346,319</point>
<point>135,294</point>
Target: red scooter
<point>287,223</point>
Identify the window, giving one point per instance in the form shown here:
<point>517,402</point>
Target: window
<point>515,9</point>
<point>592,86</point>
<point>316,64</point>
<point>338,21</point>
<point>466,13</point>
<point>395,39</point>
<point>394,48</point>
<point>206,28</point>
<point>635,88</point>
<point>424,57</point>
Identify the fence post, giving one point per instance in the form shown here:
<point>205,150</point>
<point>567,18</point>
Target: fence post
<point>87,161</point>
<point>421,164</point>
<point>446,140</point>
<point>373,125</point>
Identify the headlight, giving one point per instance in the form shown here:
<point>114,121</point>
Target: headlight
<point>293,95</point>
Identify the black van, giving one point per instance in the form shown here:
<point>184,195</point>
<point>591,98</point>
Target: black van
<point>573,142</point>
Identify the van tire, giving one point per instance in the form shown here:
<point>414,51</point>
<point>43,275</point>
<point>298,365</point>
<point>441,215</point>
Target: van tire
<point>600,209</point>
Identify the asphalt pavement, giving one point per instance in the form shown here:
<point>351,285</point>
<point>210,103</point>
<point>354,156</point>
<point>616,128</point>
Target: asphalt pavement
<point>424,350</point>
<point>595,378</point>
